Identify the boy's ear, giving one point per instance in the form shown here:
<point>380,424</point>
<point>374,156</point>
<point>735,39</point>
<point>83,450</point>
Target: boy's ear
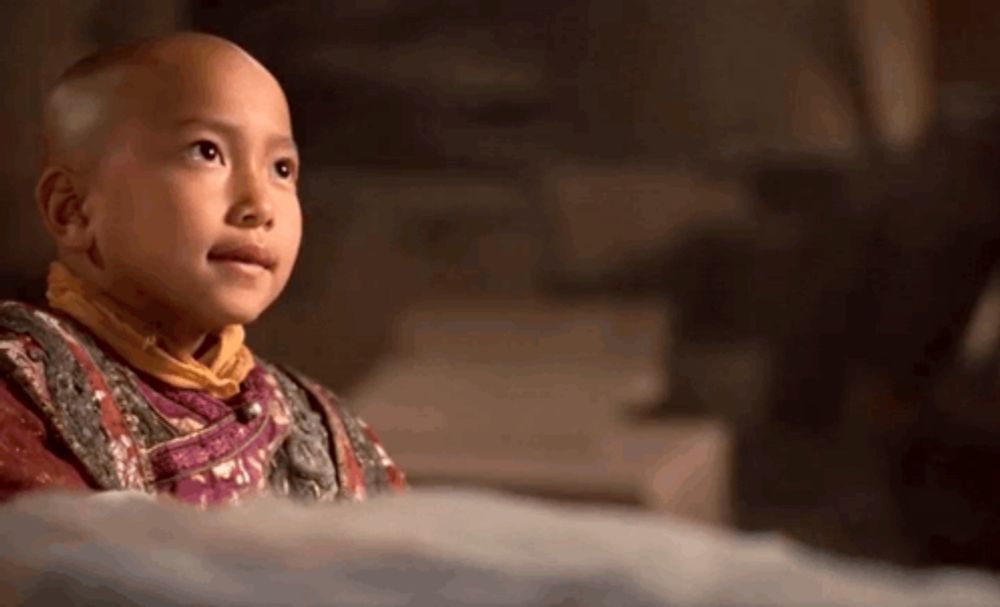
<point>62,208</point>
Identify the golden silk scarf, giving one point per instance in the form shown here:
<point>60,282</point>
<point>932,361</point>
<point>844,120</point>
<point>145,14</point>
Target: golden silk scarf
<point>218,372</point>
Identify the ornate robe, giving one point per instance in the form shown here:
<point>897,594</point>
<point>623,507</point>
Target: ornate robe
<point>72,414</point>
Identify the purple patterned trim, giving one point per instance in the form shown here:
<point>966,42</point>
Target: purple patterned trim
<point>198,451</point>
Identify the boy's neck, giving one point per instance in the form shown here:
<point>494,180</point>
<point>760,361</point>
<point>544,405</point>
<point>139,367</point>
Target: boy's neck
<point>188,344</point>
<point>167,346</point>
<point>177,337</point>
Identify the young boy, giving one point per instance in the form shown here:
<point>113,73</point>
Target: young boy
<point>169,187</point>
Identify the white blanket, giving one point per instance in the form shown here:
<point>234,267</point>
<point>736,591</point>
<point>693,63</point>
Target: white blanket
<point>425,549</point>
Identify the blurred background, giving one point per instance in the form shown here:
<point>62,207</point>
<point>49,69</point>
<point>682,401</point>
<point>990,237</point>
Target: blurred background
<point>732,260</point>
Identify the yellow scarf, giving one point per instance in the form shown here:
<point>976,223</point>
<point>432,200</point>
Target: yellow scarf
<point>219,372</point>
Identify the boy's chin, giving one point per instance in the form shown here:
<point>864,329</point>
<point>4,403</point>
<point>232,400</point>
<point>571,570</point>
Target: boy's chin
<point>235,313</point>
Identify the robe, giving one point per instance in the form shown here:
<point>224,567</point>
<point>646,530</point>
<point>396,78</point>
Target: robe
<point>74,415</point>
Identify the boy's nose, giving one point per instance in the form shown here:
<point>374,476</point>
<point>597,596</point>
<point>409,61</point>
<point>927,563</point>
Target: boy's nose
<point>252,209</point>
<point>253,216</point>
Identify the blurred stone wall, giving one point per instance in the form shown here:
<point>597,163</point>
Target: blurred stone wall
<point>479,148</point>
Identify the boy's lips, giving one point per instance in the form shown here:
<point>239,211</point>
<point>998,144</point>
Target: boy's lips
<point>244,253</point>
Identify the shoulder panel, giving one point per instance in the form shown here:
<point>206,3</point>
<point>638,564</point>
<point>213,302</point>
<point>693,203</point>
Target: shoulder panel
<point>64,374</point>
<point>363,467</point>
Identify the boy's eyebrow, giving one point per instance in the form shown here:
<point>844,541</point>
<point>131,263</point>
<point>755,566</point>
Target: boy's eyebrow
<point>273,141</point>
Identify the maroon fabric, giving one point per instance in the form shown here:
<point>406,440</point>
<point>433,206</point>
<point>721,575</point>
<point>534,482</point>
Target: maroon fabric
<point>179,403</point>
<point>29,457</point>
<point>227,458</point>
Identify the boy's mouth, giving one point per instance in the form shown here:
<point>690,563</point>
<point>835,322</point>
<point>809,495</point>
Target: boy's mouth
<point>243,253</point>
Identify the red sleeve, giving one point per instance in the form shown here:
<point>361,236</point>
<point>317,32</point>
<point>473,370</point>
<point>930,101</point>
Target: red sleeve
<point>30,457</point>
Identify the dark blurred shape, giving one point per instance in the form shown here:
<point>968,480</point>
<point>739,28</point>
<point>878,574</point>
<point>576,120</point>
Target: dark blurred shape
<point>871,357</point>
<point>939,411</point>
<point>873,436</point>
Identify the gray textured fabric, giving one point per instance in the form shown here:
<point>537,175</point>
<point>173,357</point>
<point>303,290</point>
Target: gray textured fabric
<point>433,549</point>
<point>71,405</point>
<point>303,467</point>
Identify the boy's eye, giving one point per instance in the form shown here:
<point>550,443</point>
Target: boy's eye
<point>205,150</point>
<point>284,169</point>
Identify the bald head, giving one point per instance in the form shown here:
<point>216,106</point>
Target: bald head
<point>161,156</point>
<point>110,84</point>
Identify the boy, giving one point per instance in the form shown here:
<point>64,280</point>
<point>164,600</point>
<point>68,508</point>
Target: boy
<point>169,188</point>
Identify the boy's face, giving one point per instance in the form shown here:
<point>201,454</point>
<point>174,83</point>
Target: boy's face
<point>193,204</point>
